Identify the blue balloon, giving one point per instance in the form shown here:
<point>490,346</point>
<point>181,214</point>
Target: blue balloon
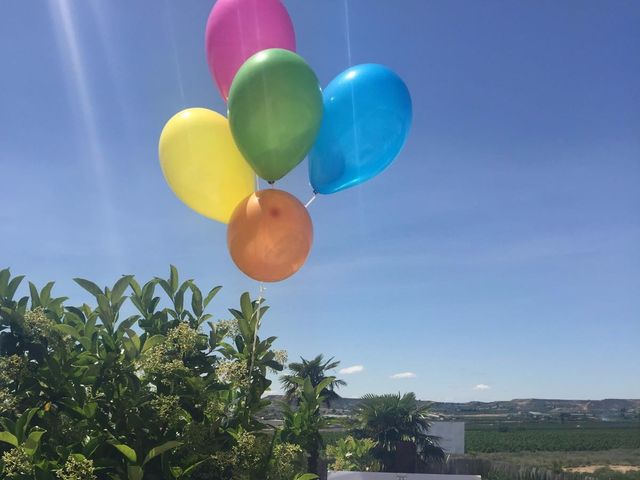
<point>366,120</point>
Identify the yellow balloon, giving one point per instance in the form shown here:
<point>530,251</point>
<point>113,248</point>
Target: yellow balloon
<point>202,164</point>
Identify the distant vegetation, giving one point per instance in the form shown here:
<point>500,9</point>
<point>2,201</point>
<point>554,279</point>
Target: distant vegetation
<point>560,438</point>
<point>547,450</point>
<point>558,460</point>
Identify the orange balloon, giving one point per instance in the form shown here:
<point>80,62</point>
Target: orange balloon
<point>269,235</point>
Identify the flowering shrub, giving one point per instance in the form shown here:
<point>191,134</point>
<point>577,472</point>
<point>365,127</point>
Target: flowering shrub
<point>352,454</point>
<point>77,468</point>
<point>165,393</point>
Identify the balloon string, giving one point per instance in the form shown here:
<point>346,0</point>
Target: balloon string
<point>257,327</point>
<point>257,312</point>
<point>306,205</point>
<point>347,30</point>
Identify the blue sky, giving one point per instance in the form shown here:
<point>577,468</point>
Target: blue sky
<point>500,250</point>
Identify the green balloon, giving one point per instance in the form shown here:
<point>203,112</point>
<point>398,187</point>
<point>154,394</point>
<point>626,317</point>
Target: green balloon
<point>275,110</point>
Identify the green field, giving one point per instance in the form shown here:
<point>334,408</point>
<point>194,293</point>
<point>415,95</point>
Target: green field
<point>600,436</point>
<point>541,437</point>
<point>554,460</point>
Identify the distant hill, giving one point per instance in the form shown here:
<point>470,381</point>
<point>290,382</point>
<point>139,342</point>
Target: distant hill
<point>612,408</point>
<point>542,405</point>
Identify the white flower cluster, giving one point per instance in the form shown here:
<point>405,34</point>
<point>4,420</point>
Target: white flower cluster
<point>10,369</point>
<point>167,358</point>
<point>17,464</point>
<point>281,356</point>
<point>167,407</point>
<point>233,372</point>
<point>229,326</point>
<point>77,469</point>
<point>36,324</point>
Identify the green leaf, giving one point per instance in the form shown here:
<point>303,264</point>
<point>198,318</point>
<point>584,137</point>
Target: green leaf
<point>35,297</point>
<point>76,312</point>
<point>178,301</point>
<point>191,468</point>
<point>128,452</point>
<point>22,425</point>
<point>90,409</point>
<point>67,330</point>
<point>245,329</point>
<point>87,310</point>
<point>307,389</point>
<point>22,303</point>
<point>45,293</point>
<point>262,312</point>
<point>32,442</point>
<point>90,287</point>
<point>108,341</point>
<point>134,472</point>
<point>152,342</point>
<point>138,304</point>
<point>239,343</point>
<point>116,305</point>
<point>148,289</point>
<point>131,351</point>
<point>245,305</point>
<point>8,425</point>
<point>306,476</point>
<point>127,323</point>
<point>104,309</point>
<point>153,304</point>
<point>72,408</point>
<point>196,300</point>
<point>173,278</point>
<point>56,303</point>
<point>5,274</point>
<point>165,286</point>
<point>13,286</point>
<point>160,449</point>
<point>135,339</point>
<point>85,341</point>
<point>119,287</point>
<point>135,286</point>
<point>210,295</point>
<point>9,438</point>
<point>324,384</point>
<point>274,365</point>
<point>92,445</point>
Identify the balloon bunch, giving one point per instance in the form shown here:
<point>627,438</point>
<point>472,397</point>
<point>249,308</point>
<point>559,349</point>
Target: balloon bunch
<point>277,116</point>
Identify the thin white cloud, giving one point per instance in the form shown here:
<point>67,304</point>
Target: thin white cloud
<point>482,386</point>
<point>67,32</point>
<point>351,370</point>
<point>397,376</point>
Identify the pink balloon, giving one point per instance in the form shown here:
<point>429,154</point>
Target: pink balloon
<point>237,29</point>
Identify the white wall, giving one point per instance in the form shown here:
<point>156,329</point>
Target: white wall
<point>396,476</point>
<point>451,435</point>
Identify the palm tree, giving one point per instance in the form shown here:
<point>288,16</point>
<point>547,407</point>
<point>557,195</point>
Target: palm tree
<point>316,370</point>
<point>392,418</point>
